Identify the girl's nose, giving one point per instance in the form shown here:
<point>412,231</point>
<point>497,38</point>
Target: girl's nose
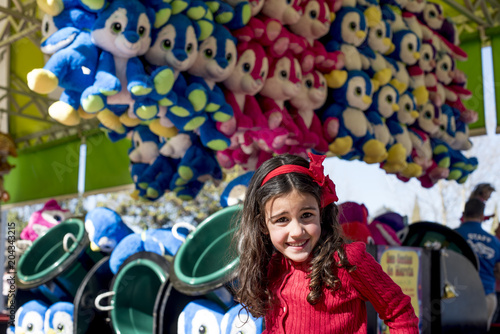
<point>295,228</point>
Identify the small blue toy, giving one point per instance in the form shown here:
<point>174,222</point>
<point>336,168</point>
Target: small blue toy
<point>59,318</point>
<point>159,241</point>
<point>200,316</point>
<point>105,229</point>
<point>234,193</point>
<point>30,317</point>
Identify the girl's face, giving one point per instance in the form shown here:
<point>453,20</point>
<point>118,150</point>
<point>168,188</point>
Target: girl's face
<point>293,223</point>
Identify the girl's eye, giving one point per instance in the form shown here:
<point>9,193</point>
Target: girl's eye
<point>116,27</point>
<point>246,67</point>
<point>284,74</point>
<point>263,74</point>
<point>281,220</point>
<point>307,215</point>
<point>309,83</point>
<point>313,14</point>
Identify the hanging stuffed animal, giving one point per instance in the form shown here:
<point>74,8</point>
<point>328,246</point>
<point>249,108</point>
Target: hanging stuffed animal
<point>215,62</point>
<point>73,63</point>
<point>283,83</point>
<point>314,23</point>
<point>123,32</point>
<point>142,154</point>
<point>385,103</point>
<point>175,45</point>
<point>398,126</point>
<point>311,97</point>
<point>380,41</point>
<point>347,33</point>
<point>240,88</point>
<point>40,221</point>
<point>354,139</point>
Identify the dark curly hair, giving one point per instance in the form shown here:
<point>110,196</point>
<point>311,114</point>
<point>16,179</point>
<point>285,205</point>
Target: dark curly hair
<point>256,249</point>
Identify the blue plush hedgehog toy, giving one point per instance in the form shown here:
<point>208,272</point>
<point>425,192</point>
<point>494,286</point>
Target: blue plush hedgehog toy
<point>59,318</point>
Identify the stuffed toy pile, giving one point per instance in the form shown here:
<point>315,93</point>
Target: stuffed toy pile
<point>203,85</point>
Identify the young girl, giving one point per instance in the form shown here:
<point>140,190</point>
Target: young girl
<point>296,268</point>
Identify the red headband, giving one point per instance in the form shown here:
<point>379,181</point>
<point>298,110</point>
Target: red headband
<point>315,171</point>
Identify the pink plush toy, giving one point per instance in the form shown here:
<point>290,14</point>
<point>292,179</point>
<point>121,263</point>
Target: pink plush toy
<point>269,27</point>
<point>283,83</point>
<point>40,221</point>
<point>240,88</point>
<point>312,96</point>
<point>312,25</point>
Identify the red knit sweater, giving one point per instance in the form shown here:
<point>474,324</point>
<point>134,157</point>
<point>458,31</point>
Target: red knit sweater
<point>343,311</point>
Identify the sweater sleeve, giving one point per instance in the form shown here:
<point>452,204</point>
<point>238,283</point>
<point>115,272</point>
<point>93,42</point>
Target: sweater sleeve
<point>392,305</point>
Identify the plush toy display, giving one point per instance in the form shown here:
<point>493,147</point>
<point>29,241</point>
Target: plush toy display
<point>59,318</point>
<point>40,221</point>
<point>158,64</point>
<point>237,320</point>
<point>201,313</point>
<point>30,317</point>
<point>105,229</point>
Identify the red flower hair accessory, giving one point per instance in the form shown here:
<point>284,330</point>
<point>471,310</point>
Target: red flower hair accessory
<point>328,194</point>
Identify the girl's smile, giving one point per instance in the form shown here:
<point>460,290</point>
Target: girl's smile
<point>293,224</point>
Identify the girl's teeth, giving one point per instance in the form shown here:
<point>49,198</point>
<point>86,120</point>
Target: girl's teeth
<point>297,245</point>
